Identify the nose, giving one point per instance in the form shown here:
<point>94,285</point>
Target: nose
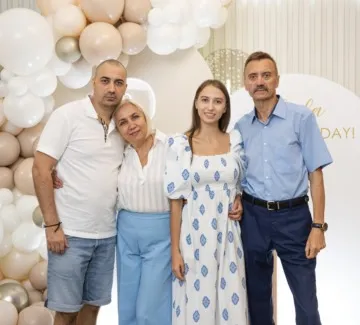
<point>111,87</point>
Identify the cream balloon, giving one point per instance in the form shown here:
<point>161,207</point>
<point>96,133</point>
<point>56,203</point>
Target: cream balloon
<point>6,246</point>
<point>124,59</point>
<point>27,285</point>
<point>100,41</point>
<point>6,178</point>
<point>6,196</point>
<point>6,75</point>
<point>17,195</point>
<point>136,11</point>
<point>25,111</point>
<point>69,20</point>
<point>67,49</point>
<point>2,115</point>
<point>43,251</point>
<point>38,275</point>
<point>49,7</point>
<point>16,164</point>
<point>8,309</point>
<point>23,177</point>
<point>18,86</point>
<point>29,41</point>
<point>9,149</point>
<point>16,294</point>
<point>10,217</point>
<point>11,128</point>
<point>34,296</point>
<point>35,315</point>
<point>17,265</point>
<point>133,37</point>
<point>27,138</point>
<point>107,11</point>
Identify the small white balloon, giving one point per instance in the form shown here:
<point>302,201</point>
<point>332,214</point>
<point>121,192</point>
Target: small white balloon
<point>203,37</point>
<point>221,18</point>
<point>43,83</point>
<point>6,196</point>
<point>188,35</point>
<point>18,86</point>
<point>10,217</point>
<point>25,207</point>
<point>159,3</point>
<point>27,237</point>
<point>6,75</point>
<point>24,111</point>
<point>163,40</point>
<point>173,13</point>
<point>4,91</point>
<point>17,194</point>
<point>2,232</point>
<point>43,251</point>
<point>79,75</point>
<point>59,67</point>
<point>6,245</point>
<point>156,17</point>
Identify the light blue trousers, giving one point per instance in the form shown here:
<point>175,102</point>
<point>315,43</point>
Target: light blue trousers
<point>144,268</point>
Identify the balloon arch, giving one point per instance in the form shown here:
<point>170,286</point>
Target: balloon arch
<point>62,45</point>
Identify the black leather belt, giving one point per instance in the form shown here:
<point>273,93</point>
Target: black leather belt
<point>275,205</point>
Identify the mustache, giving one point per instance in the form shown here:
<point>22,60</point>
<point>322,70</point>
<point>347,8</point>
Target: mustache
<point>261,88</point>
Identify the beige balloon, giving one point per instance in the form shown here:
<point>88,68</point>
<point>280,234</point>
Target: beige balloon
<point>38,276</point>
<point>35,315</point>
<point>10,128</point>
<point>6,178</point>
<point>16,164</point>
<point>49,7</point>
<point>69,21</point>
<point>34,296</point>
<point>34,148</point>
<point>136,11</point>
<point>67,49</point>
<point>16,294</point>
<point>23,177</point>
<point>9,149</point>
<point>45,294</point>
<point>17,265</point>
<point>27,285</point>
<point>2,115</point>
<point>8,309</point>
<point>99,42</point>
<point>27,139</point>
<point>134,38</point>
<point>107,11</point>
<point>9,281</point>
<point>124,59</point>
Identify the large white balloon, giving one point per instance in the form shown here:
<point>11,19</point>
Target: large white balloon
<point>18,86</point>
<point>78,76</point>
<point>27,237</point>
<point>25,111</point>
<point>59,67</point>
<point>163,39</point>
<point>26,41</point>
<point>43,83</point>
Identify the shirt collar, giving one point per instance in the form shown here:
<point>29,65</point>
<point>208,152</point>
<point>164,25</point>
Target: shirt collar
<point>158,137</point>
<point>91,112</point>
<point>279,110</point>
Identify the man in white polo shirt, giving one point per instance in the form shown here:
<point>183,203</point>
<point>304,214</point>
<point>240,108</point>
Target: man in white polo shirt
<point>80,139</point>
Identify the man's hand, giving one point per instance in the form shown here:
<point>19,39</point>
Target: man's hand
<point>56,240</point>
<point>237,209</point>
<point>315,243</point>
<point>178,266</point>
<point>57,182</point>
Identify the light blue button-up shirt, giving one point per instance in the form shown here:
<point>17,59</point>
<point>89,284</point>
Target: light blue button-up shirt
<point>280,152</point>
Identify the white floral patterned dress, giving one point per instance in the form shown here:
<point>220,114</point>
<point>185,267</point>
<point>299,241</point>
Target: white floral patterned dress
<point>214,290</point>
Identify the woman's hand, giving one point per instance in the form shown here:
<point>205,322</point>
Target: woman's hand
<point>57,182</point>
<point>237,209</point>
<point>178,267</point>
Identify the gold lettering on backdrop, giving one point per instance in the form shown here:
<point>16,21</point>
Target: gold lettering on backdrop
<point>330,133</point>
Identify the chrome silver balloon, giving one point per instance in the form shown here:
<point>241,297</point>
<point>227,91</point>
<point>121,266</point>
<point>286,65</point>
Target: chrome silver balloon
<point>16,294</point>
<point>67,49</point>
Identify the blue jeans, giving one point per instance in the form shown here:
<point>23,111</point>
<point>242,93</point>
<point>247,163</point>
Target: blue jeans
<point>82,275</point>
<point>144,268</point>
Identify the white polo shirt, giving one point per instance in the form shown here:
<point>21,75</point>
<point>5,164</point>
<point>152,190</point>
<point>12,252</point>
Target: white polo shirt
<point>88,167</point>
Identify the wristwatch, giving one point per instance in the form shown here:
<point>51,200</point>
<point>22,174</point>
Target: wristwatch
<point>322,226</point>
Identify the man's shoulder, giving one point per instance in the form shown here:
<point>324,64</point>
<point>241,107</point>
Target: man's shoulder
<point>245,119</point>
<point>298,109</point>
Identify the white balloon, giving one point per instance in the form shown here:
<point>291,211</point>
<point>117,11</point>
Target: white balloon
<point>4,91</point>
<point>188,35</point>
<point>160,3</point>
<point>203,37</point>
<point>25,207</point>
<point>17,194</point>
<point>27,237</point>
<point>43,83</point>
<point>164,39</point>
<point>18,86</point>
<point>6,75</point>
<point>78,76</point>
<point>2,232</point>
<point>59,67</point>
<point>10,217</point>
<point>173,13</point>
<point>6,245</point>
<point>24,111</point>
<point>43,251</point>
<point>49,107</point>
<point>156,17</point>
<point>205,12</point>
<point>221,18</point>
<point>6,196</point>
<point>28,38</point>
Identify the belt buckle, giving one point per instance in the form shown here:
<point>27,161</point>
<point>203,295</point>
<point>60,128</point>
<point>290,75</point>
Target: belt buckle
<point>272,202</point>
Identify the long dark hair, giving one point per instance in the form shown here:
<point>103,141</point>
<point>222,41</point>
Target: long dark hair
<point>225,118</point>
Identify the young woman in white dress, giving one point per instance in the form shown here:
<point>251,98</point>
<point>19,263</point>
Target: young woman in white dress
<point>204,167</point>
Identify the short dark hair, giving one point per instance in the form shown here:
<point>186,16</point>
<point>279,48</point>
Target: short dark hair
<point>259,55</point>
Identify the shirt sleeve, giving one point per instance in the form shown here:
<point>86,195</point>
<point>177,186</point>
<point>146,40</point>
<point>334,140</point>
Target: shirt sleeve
<point>315,152</point>
<point>237,148</point>
<point>56,134</point>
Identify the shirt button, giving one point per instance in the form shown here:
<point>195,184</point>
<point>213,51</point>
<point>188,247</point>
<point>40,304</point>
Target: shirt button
<point>264,143</point>
<point>267,177</point>
<point>266,160</point>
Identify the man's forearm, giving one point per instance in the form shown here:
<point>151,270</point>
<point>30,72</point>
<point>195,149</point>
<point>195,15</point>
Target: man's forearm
<point>317,190</point>
<point>45,193</point>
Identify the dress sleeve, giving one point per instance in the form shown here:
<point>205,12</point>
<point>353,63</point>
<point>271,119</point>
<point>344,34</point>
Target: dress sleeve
<point>237,148</point>
<point>177,183</point>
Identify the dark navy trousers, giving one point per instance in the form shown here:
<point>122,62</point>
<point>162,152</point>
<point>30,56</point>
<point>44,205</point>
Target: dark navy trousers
<point>286,231</point>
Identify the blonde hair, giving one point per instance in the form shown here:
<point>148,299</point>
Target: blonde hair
<point>148,121</point>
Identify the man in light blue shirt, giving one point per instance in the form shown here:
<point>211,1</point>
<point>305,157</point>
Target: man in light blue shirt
<point>284,153</point>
